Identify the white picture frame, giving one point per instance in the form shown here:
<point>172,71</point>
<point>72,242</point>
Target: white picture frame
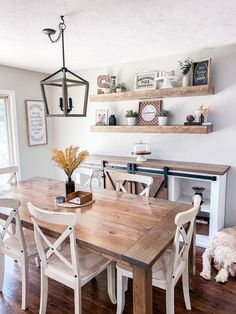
<point>101,117</point>
<point>145,80</point>
<point>36,122</point>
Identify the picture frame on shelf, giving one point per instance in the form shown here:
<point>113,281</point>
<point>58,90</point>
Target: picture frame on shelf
<point>145,80</point>
<point>147,114</point>
<point>201,72</point>
<point>36,122</point>
<point>101,117</point>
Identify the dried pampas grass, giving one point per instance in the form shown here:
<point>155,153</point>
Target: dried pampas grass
<point>70,159</point>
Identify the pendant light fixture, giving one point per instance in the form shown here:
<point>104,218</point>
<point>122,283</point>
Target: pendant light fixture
<point>64,93</point>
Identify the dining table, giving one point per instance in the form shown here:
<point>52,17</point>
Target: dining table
<point>126,228</point>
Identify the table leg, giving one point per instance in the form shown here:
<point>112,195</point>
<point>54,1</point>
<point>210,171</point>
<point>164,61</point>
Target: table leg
<point>142,290</point>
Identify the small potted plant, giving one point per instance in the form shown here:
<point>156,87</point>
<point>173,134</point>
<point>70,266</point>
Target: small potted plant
<point>121,87</point>
<point>131,117</point>
<point>185,67</point>
<point>163,116</point>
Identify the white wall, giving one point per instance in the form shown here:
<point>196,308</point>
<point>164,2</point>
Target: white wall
<point>217,147</point>
<point>34,161</point>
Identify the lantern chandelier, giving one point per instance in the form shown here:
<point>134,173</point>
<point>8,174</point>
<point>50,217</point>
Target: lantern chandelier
<point>66,100</point>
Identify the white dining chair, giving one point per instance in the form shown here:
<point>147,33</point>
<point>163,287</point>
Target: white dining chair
<point>170,266</point>
<point>66,263</point>
<point>121,177</point>
<point>19,245</point>
<point>11,172</point>
<point>84,176</point>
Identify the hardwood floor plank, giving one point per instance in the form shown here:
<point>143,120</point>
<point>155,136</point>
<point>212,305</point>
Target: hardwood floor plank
<point>208,297</point>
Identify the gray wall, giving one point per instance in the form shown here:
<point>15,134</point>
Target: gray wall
<point>34,161</point>
<point>217,147</point>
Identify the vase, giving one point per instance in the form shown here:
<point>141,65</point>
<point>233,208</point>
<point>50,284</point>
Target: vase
<point>185,81</point>
<point>70,186</point>
<point>112,119</point>
<point>162,120</point>
<point>131,121</point>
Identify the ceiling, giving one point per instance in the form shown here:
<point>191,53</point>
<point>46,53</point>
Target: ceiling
<point>101,33</point>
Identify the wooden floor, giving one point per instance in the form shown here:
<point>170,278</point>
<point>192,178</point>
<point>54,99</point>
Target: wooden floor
<point>208,296</point>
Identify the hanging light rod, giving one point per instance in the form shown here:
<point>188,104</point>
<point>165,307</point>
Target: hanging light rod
<point>65,102</point>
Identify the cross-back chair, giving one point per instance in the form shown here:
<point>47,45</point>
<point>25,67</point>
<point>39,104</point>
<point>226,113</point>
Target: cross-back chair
<point>12,172</point>
<point>19,245</point>
<point>170,266</point>
<point>66,263</point>
<point>121,178</point>
<point>84,176</point>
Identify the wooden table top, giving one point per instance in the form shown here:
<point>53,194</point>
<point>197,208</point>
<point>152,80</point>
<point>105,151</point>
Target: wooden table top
<point>119,225</point>
<point>195,167</point>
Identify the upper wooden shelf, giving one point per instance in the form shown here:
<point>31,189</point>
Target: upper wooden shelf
<point>194,129</point>
<point>188,91</point>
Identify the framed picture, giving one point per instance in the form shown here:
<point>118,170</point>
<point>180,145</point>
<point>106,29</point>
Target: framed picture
<point>145,80</point>
<point>148,112</point>
<point>201,72</point>
<point>101,117</point>
<point>36,122</point>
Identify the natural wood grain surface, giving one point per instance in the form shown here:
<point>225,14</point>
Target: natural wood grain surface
<point>208,297</point>
<point>117,224</point>
<point>188,129</point>
<point>155,93</point>
<point>120,226</point>
<point>196,167</point>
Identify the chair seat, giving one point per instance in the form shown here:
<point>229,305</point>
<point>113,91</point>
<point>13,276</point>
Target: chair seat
<point>90,265</point>
<point>11,245</point>
<point>159,269</point>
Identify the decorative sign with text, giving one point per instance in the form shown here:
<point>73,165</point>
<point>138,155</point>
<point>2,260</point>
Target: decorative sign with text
<point>36,122</point>
<point>147,114</point>
<point>146,80</point>
<point>201,72</point>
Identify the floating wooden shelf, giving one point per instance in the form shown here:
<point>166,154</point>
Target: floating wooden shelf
<point>195,129</point>
<point>155,93</point>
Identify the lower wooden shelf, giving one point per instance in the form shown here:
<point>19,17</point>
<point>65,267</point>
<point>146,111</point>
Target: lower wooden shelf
<point>192,129</point>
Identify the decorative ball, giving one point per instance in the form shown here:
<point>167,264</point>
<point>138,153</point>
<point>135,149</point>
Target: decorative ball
<point>190,118</point>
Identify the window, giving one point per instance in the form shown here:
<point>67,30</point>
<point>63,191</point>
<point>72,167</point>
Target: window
<point>8,138</point>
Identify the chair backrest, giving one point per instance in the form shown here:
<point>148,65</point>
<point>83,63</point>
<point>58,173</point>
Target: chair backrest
<point>57,218</point>
<point>184,231</point>
<point>11,206</point>
<point>12,171</point>
<point>84,176</point>
<point>121,177</point>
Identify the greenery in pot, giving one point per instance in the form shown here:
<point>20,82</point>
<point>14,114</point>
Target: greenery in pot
<point>185,65</point>
<point>163,113</point>
<point>131,114</point>
<point>121,87</point>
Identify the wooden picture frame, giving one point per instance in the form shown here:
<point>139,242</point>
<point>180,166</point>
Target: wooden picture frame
<point>101,117</point>
<point>201,72</point>
<point>145,80</point>
<point>36,122</point>
<point>147,114</point>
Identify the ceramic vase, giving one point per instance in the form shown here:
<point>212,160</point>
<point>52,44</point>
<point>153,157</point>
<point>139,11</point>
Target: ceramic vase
<point>185,81</point>
<point>162,120</point>
<point>131,121</point>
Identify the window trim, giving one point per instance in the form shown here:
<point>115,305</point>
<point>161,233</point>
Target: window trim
<point>10,97</point>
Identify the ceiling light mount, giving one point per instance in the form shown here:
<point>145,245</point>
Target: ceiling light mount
<point>66,84</point>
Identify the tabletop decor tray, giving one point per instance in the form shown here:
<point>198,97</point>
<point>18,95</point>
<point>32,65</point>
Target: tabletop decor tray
<point>79,197</point>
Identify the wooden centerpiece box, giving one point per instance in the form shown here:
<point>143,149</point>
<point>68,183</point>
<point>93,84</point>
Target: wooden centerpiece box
<point>79,197</point>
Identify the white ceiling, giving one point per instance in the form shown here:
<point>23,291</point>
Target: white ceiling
<point>104,32</point>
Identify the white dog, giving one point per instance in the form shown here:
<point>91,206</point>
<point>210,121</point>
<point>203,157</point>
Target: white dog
<point>223,250</point>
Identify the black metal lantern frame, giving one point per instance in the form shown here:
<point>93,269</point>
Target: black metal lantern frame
<point>65,83</point>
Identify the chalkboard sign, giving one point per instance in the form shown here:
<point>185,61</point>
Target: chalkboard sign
<point>36,122</point>
<point>201,72</point>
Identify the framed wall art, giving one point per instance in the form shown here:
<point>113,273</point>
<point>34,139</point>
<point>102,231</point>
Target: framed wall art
<point>101,117</point>
<point>148,112</point>
<point>145,80</point>
<point>36,122</point>
<point>201,72</point>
